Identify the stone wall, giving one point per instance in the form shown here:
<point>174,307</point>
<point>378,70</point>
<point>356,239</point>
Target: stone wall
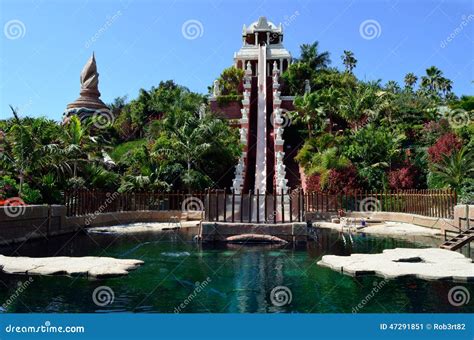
<point>32,222</point>
<point>42,221</point>
<point>291,232</point>
<point>230,110</point>
<point>444,224</point>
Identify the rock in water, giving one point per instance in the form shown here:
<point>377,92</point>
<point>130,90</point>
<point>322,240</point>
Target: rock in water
<point>96,267</point>
<point>426,263</point>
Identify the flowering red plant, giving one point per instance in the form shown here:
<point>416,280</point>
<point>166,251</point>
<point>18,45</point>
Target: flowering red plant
<point>444,146</point>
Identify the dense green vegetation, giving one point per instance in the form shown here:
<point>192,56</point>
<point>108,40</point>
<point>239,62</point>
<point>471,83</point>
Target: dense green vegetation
<point>358,135</point>
<point>365,135</point>
<point>157,141</point>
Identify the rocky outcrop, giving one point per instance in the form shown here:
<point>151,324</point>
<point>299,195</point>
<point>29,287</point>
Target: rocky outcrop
<point>254,238</point>
<point>95,267</point>
<point>427,264</point>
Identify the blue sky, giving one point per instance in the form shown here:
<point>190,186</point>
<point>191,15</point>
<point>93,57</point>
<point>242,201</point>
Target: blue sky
<point>44,43</point>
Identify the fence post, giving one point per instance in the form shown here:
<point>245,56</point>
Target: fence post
<point>233,204</point>
<point>299,205</point>
<point>291,207</point>
<point>241,206</point>
<point>207,214</point>
<point>275,197</point>
<point>225,205</point>
<point>258,206</point>
<point>266,209</point>
<point>217,205</point>
<point>250,206</point>
<point>282,206</point>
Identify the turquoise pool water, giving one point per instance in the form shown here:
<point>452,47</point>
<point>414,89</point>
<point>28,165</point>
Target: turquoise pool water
<point>231,279</point>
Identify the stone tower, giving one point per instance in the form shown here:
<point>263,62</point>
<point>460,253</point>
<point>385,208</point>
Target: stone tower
<point>88,104</point>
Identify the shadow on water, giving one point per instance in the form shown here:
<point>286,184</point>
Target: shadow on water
<point>180,275</point>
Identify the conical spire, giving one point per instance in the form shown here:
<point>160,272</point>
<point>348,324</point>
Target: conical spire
<point>88,100</point>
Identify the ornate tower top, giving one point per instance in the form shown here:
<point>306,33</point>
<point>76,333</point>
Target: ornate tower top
<point>262,32</point>
<point>88,103</point>
<point>262,25</point>
<point>90,77</point>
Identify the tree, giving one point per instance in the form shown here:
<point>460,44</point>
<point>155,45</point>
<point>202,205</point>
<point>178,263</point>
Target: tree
<point>294,78</point>
<point>230,81</point>
<point>410,80</point>
<point>77,146</point>
<point>311,56</point>
<point>358,104</point>
<point>329,103</point>
<point>117,105</point>
<point>349,61</point>
<point>431,81</point>
<point>28,147</point>
<point>310,112</point>
<point>445,85</point>
<point>196,144</point>
<point>455,169</point>
<point>392,86</point>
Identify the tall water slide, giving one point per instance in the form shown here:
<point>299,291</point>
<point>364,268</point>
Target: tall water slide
<point>261,147</point>
<point>257,171</point>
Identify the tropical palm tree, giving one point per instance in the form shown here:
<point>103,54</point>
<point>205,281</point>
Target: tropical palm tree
<point>445,85</point>
<point>392,86</point>
<point>310,111</point>
<point>410,80</point>
<point>77,146</point>
<point>455,169</point>
<point>27,147</point>
<point>360,103</point>
<point>329,98</point>
<point>189,138</point>
<point>349,60</point>
<point>431,80</point>
<point>311,56</point>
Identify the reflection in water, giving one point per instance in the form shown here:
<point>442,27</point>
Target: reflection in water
<point>240,277</point>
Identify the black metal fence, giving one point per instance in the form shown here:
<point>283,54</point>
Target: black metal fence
<point>222,205</point>
<point>431,203</point>
<point>85,202</point>
<point>255,207</point>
